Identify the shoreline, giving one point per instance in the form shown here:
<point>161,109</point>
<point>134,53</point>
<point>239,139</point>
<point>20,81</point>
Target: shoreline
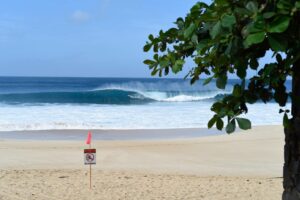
<point>118,134</point>
<point>110,134</point>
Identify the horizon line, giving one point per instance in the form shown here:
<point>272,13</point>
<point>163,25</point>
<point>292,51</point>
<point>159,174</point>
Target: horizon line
<point>112,77</point>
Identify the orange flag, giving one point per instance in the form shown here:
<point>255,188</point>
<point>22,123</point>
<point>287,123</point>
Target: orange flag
<point>89,138</point>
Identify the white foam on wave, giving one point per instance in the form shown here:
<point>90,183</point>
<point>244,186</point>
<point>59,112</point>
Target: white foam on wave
<point>149,116</point>
<point>167,91</point>
<point>162,85</point>
<point>166,96</point>
<point>185,98</point>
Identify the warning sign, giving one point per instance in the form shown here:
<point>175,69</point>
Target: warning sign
<point>89,156</point>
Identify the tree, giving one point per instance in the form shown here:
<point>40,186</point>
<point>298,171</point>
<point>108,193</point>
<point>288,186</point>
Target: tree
<point>229,37</point>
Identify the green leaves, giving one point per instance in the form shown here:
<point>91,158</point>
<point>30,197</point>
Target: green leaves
<point>252,6</point>
<point>228,38</point>
<point>207,81</point>
<point>147,47</point>
<point>237,91</point>
<point>279,25</point>
<point>254,64</point>
<point>255,38</point>
<point>212,121</point>
<point>254,32</point>
<point>178,66</point>
<point>297,4</point>
<point>149,62</point>
<point>286,121</point>
<point>269,15</point>
<point>284,6</point>
<point>221,81</point>
<point>216,120</point>
<point>202,45</point>
<point>189,31</point>
<point>243,123</point>
<point>228,21</point>
<point>230,128</point>
<point>277,43</point>
<point>216,30</point>
<point>220,124</point>
<point>180,23</point>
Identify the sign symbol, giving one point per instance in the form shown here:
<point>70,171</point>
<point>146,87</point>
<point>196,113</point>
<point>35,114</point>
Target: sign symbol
<point>90,157</point>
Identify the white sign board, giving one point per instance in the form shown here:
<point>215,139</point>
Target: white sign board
<point>90,156</point>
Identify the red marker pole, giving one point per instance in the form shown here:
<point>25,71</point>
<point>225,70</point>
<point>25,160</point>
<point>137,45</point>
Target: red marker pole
<point>90,176</point>
<point>89,141</point>
<point>90,173</point>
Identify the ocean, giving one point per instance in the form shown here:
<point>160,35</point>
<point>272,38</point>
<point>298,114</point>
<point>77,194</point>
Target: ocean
<point>40,103</point>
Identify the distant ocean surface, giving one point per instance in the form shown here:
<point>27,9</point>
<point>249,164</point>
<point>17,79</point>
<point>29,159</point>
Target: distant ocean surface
<point>28,103</point>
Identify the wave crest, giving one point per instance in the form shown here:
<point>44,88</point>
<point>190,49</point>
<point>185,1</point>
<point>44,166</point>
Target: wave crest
<point>107,96</point>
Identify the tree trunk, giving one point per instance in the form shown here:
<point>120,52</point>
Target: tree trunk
<point>291,168</point>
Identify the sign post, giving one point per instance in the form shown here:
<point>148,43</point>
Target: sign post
<point>90,156</point>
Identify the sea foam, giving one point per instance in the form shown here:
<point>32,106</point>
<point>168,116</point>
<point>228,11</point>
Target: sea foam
<point>114,103</point>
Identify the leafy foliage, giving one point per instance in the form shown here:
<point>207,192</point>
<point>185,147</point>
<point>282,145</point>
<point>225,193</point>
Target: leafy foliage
<point>229,37</point>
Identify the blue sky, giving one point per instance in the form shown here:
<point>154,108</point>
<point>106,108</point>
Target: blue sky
<point>102,38</point>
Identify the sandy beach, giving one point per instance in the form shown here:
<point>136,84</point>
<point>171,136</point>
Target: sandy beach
<point>244,165</point>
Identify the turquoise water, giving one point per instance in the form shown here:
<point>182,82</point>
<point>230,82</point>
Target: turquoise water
<point>113,103</point>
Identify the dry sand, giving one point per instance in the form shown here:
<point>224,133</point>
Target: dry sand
<point>244,165</point>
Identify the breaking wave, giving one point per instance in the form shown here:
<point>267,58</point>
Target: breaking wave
<point>107,96</point>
